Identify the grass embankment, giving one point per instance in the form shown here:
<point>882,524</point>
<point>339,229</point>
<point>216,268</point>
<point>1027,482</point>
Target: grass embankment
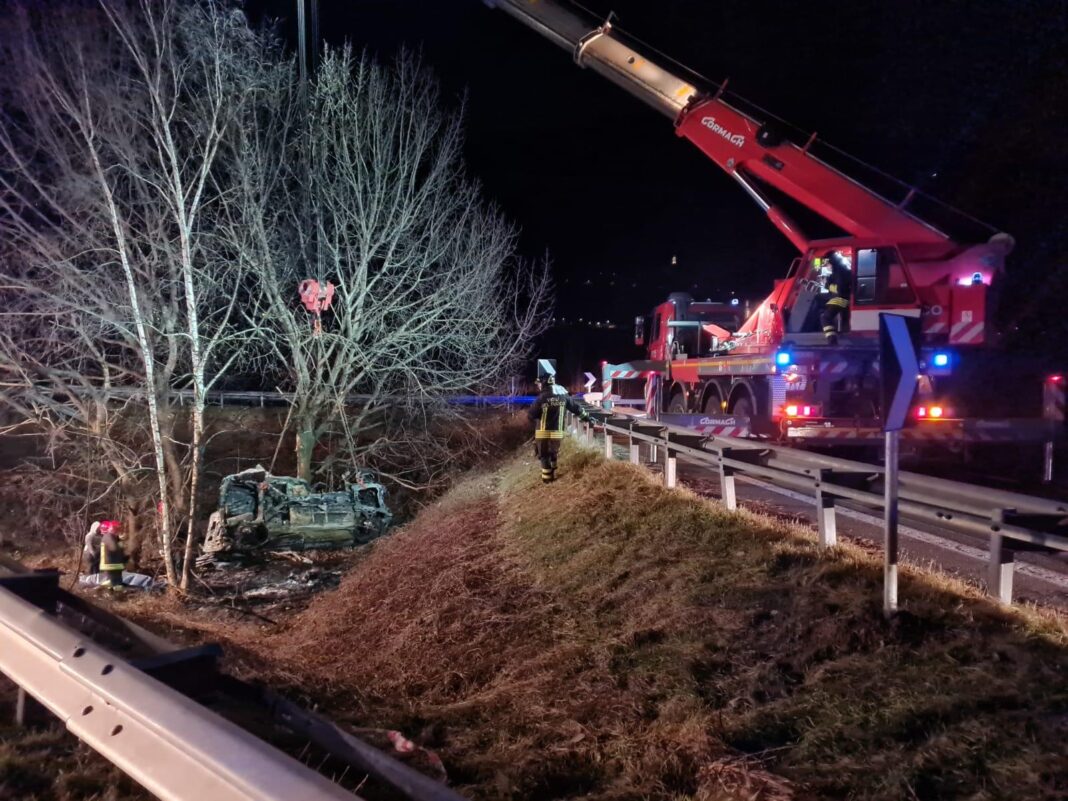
<point>47,764</point>
<point>605,638</point>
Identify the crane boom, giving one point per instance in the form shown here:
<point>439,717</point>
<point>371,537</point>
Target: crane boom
<point>742,146</point>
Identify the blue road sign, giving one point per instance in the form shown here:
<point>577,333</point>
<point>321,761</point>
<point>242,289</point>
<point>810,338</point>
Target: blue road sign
<point>899,367</point>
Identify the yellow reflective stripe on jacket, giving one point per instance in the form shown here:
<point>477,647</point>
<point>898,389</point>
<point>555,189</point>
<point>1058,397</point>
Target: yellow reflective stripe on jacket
<point>560,406</point>
<point>841,302</point>
<point>106,565</point>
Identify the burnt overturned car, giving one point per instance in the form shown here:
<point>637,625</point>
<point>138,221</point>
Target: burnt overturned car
<point>262,512</point>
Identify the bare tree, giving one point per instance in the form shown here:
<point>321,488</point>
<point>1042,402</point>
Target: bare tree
<point>113,122</point>
<point>430,298</point>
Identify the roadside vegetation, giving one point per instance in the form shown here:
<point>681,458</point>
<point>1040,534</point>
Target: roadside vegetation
<point>605,638</point>
<point>183,213</point>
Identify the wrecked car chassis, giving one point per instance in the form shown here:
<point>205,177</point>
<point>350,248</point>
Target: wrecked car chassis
<point>263,512</point>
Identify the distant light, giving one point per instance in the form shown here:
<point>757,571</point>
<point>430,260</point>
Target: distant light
<point>1055,379</point>
<point>806,411</point>
<point>734,301</point>
<point>940,360</point>
<point>921,411</point>
<point>977,278</point>
<point>936,411</point>
<point>782,358</point>
<point>791,411</point>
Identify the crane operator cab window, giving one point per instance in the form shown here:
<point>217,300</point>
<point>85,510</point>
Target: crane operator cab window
<point>823,295</point>
<point>881,279</point>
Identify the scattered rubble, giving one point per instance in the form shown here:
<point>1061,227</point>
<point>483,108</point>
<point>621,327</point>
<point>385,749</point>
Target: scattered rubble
<point>270,582</point>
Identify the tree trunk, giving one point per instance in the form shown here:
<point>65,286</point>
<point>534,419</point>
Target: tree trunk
<point>306,440</point>
<point>194,488</point>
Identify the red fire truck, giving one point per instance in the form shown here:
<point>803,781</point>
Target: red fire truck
<point>779,372</point>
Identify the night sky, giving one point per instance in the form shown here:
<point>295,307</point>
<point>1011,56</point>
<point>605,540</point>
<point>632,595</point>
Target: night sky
<point>968,100</point>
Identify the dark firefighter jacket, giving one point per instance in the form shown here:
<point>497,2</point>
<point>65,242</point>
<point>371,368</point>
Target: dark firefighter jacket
<point>838,284</point>
<point>548,412</point>
<point>112,556</point>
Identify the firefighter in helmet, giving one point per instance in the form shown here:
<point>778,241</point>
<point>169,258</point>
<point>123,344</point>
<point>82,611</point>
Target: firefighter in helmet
<point>548,414</point>
<point>112,555</point>
<point>836,280</point>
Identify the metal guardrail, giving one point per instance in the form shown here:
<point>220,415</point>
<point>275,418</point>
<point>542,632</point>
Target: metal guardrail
<point>174,747</point>
<point>1011,521</point>
<point>140,703</point>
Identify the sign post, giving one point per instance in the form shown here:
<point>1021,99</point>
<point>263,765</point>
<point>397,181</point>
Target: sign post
<point>899,369</point>
<point>1053,411</point>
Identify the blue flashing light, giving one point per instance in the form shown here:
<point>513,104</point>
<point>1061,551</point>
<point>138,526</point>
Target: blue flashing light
<point>783,358</point>
<point>734,301</point>
<point>940,360</point>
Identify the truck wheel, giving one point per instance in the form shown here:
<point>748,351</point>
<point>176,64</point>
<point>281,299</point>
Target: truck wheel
<point>677,404</point>
<point>743,407</point>
<point>713,405</point>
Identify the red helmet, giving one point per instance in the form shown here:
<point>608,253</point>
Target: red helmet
<point>110,526</point>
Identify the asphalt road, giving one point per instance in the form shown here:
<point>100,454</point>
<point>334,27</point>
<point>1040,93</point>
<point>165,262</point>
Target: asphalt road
<point>1038,578</point>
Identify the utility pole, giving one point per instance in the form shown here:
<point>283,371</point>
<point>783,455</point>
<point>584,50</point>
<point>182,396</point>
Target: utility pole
<point>307,12</point>
<point>308,58</point>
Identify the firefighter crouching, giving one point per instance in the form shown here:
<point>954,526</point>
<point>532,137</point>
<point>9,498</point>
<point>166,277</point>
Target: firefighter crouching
<point>835,279</point>
<point>549,412</point>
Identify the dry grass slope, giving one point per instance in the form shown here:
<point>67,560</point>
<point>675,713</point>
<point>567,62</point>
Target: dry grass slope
<point>47,764</point>
<point>604,638</point>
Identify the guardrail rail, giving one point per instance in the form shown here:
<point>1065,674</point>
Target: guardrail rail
<point>144,709</point>
<point>1011,522</point>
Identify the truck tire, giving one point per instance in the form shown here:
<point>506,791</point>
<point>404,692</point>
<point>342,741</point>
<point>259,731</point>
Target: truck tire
<point>713,403</point>
<point>743,407</point>
<point>677,404</point>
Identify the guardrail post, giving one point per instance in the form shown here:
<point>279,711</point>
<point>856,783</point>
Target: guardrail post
<point>727,489</point>
<point>635,451</point>
<point>589,432</point>
<point>607,444</point>
<point>654,455</point>
<point>669,466</point>
<point>826,520</point>
<point>999,581</point>
<point>21,702</point>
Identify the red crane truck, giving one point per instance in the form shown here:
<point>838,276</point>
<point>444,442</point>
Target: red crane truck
<point>777,373</point>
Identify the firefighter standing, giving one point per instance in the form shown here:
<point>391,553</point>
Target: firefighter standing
<point>112,555</point>
<point>549,412</point>
<point>91,550</point>
<point>836,280</point>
